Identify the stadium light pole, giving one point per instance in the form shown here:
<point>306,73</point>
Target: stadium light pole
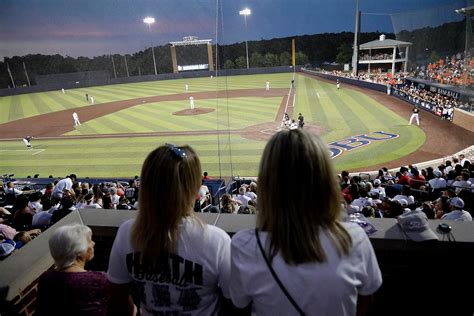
<point>149,21</point>
<point>246,12</point>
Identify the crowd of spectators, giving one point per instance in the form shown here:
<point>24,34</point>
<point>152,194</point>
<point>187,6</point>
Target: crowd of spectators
<point>374,77</point>
<point>381,56</point>
<point>441,105</point>
<point>444,192</point>
<point>456,71</point>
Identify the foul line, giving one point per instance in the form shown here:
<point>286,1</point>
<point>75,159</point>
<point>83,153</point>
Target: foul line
<point>39,151</point>
<point>33,151</point>
<point>288,99</point>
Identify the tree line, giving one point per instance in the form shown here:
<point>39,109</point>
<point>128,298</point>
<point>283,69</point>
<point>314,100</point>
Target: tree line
<point>310,49</point>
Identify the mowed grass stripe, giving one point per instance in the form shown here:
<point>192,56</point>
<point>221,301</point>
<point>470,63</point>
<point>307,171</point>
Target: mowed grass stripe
<point>124,151</point>
<point>61,100</point>
<point>336,121</point>
<point>53,103</point>
<point>122,94</point>
<point>308,97</point>
<point>5,105</point>
<point>353,120</point>
<point>16,109</point>
<point>40,104</point>
<point>103,96</point>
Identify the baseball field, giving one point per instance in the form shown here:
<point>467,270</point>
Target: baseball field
<point>232,119</point>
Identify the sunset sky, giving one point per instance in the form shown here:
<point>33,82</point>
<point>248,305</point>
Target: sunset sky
<point>96,27</point>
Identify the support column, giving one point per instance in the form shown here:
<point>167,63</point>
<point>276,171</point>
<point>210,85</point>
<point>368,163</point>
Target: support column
<point>406,59</point>
<point>393,59</point>
<point>174,60</point>
<point>210,58</point>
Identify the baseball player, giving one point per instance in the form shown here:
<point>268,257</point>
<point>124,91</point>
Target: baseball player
<point>338,84</point>
<point>75,117</point>
<point>300,120</point>
<point>415,116</point>
<point>27,141</point>
<point>267,86</point>
<point>191,103</point>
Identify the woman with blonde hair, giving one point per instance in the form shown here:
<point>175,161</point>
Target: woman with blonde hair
<point>301,259</point>
<point>176,261</point>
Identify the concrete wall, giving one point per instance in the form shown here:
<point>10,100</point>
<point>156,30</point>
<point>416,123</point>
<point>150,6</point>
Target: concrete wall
<point>464,119</point>
<point>359,83</point>
<point>419,278</point>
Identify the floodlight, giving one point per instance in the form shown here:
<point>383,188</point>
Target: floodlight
<point>149,20</point>
<point>245,11</point>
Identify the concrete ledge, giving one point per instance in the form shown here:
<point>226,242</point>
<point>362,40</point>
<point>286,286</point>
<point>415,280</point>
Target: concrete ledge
<point>20,271</point>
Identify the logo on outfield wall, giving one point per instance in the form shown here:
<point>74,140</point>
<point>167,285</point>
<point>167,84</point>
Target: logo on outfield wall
<point>337,148</point>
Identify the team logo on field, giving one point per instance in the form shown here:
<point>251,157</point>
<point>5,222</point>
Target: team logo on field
<point>337,148</point>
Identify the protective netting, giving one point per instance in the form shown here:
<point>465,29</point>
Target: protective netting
<point>441,37</point>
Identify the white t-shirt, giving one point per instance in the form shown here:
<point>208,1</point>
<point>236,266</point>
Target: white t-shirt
<point>63,184</point>
<point>201,264</point>
<point>330,288</point>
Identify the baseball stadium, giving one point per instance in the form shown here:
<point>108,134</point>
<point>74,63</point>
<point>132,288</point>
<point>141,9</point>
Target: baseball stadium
<point>104,107</point>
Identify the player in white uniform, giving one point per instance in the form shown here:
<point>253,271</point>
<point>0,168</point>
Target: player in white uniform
<point>267,86</point>
<point>191,103</point>
<point>27,141</point>
<point>75,117</point>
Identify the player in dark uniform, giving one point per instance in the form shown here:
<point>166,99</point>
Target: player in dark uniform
<point>300,120</point>
<point>415,116</point>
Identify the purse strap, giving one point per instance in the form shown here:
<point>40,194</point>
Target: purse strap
<point>275,276</point>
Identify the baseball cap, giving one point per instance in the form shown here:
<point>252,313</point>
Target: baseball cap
<point>6,249</point>
<point>377,182</point>
<point>457,202</point>
<point>437,173</point>
<point>415,225</point>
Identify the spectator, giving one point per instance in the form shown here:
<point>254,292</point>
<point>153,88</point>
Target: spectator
<point>242,198</point>
<point>63,185</point>
<point>228,204</point>
<point>457,213</point>
<point>23,216</point>
<point>70,289</point>
<point>186,257</point>
<point>300,237</point>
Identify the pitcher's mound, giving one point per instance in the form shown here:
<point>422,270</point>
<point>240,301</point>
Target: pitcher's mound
<point>196,111</point>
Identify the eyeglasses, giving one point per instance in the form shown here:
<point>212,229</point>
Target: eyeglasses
<point>178,152</point>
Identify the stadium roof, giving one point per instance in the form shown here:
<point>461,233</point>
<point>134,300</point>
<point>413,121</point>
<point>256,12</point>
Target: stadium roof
<point>386,43</point>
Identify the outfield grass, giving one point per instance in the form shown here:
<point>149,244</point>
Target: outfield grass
<point>342,113</point>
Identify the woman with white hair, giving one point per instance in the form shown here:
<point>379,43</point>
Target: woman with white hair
<point>301,258</point>
<point>69,289</point>
<point>177,262</point>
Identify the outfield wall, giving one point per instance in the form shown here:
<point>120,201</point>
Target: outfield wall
<point>407,267</point>
<point>59,82</point>
<point>359,83</point>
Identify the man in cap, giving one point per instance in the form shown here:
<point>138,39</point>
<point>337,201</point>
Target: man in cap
<point>437,182</point>
<point>457,213</point>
